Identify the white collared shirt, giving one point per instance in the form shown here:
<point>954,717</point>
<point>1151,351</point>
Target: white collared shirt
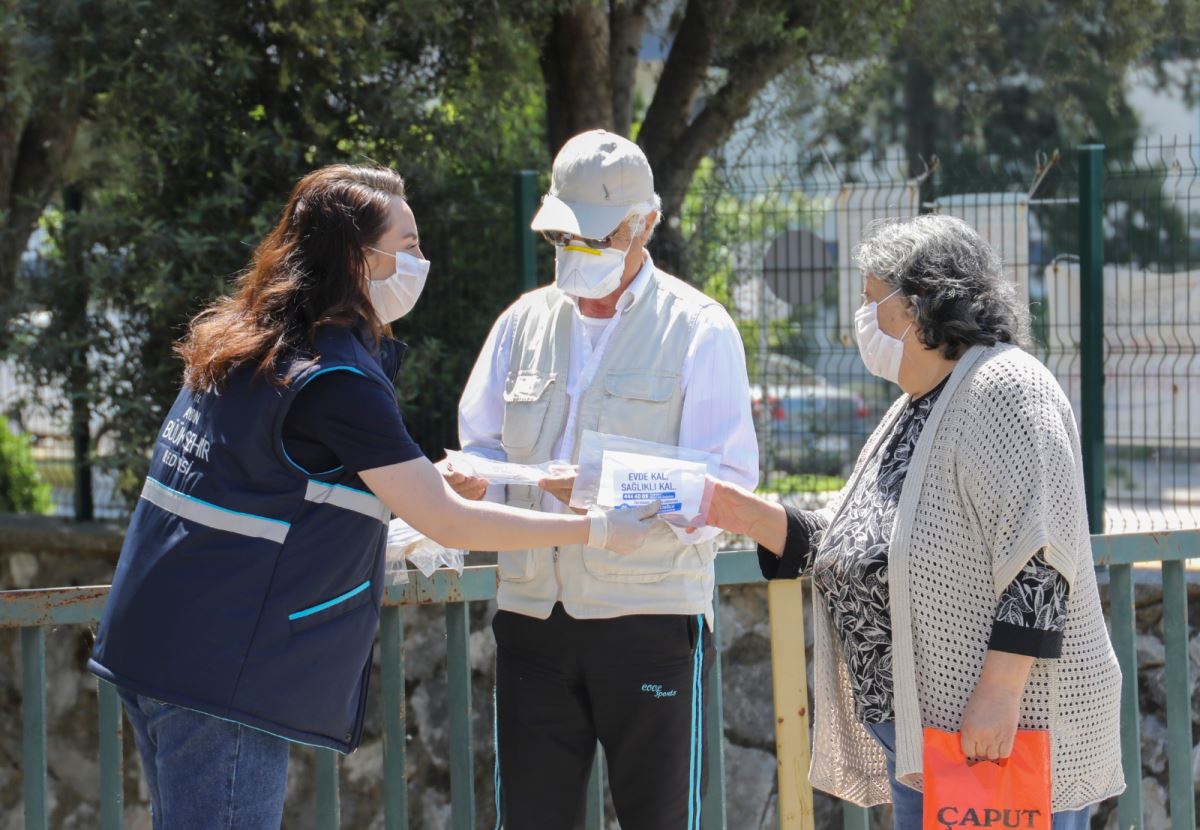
<point>715,413</point>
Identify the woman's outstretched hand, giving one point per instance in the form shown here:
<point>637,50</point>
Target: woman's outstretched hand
<point>737,510</point>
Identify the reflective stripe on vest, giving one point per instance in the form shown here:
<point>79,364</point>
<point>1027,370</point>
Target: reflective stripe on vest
<point>211,515</point>
<point>348,498</point>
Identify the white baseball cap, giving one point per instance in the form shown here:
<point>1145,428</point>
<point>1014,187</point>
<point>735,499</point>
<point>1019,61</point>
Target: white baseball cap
<point>598,177</point>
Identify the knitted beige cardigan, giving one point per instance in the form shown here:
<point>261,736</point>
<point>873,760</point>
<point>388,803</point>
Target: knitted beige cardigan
<point>996,476</point>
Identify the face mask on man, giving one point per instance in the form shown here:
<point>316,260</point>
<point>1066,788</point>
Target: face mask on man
<point>586,272</point>
<point>880,352</point>
<point>395,296</point>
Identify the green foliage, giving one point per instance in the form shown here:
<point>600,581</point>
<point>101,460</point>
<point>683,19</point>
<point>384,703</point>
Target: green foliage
<point>787,485</point>
<point>208,115</point>
<point>22,489</point>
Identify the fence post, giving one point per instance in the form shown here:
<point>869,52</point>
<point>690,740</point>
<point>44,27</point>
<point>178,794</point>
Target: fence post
<point>33,726</point>
<point>395,779</point>
<point>1091,328</point>
<point>458,678</point>
<point>524,201</point>
<point>329,800</point>
<point>789,675</point>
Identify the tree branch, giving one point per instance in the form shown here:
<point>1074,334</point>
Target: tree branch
<point>683,75</point>
<point>753,69</point>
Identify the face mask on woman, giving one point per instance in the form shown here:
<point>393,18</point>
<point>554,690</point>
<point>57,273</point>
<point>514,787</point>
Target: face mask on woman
<point>880,352</point>
<point>587,272</point>
<point>395,296</point>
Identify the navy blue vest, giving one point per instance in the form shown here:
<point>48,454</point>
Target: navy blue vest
<point>249,588</point>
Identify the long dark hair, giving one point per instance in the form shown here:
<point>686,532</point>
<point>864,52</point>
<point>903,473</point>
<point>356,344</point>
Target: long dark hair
<point>310,271</point>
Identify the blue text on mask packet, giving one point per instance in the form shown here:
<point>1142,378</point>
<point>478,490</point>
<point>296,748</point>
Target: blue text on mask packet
<point>642,488</point>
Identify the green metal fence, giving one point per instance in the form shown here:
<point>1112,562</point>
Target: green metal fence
<point>1103,242</point>
<point>34,611</point>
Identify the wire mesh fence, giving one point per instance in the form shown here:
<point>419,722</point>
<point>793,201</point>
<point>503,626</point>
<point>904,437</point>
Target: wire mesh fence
<point>775,242</point>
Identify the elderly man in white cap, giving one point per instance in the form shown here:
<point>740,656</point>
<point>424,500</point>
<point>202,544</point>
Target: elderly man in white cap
<point>591,645</point>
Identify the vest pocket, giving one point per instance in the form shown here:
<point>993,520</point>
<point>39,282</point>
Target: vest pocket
<point>659,557</point>
<point>323,612</point>
<point>525,405</point>
<point>638,398</point>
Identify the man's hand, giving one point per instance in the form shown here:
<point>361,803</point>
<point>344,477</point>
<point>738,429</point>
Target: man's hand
<point>989,723</point>
<point>560,486</point>
<point>468,486</point>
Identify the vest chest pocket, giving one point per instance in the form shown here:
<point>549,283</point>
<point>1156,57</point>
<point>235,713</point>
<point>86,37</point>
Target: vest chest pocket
<point>637,404</point>
<point>526,400</point>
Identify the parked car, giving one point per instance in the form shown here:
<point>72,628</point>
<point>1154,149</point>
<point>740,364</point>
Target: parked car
<point>810,428</point>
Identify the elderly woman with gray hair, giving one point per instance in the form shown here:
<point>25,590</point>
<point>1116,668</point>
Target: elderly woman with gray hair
<point>952,576</point>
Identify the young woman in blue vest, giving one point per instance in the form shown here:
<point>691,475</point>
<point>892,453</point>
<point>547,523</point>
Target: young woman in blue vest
<point>246,599</point>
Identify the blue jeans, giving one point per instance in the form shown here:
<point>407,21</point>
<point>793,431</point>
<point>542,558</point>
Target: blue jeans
<point>907,803</point>
<point>205,773</point>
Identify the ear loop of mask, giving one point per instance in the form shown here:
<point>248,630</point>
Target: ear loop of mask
<point>884,300</point>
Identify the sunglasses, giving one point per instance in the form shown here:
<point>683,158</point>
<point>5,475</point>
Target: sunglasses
<point>560,239</point>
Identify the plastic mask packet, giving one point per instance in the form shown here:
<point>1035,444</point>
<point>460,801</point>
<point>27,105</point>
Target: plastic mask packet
<point>615,471</point>
<point>407,544</point>
<point>505,472</point>
<point>631,479</point>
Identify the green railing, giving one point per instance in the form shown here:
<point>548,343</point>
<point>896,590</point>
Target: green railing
<point>32,611</point>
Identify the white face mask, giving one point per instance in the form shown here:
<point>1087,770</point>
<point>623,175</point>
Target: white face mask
<point>880,352</point>
<point>395,296</point>
<point>588,273</point>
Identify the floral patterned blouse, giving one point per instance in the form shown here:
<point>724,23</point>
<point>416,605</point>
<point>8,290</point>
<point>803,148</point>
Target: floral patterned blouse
<point>850,572</point>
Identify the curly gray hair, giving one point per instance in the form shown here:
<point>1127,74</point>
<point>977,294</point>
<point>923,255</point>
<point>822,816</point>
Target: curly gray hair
<point>950,277</point>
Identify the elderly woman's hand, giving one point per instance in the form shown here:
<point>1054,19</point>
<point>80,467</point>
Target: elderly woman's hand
<point>737,510</point>
<point>989,722</point>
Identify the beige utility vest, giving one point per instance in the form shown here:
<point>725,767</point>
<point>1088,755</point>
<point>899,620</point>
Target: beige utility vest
<point>635,393</point>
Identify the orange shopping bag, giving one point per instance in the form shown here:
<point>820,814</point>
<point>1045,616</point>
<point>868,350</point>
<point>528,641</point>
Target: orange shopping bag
<point>1014,793</point>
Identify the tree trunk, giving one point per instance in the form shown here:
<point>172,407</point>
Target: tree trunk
<point>627,24</point>
<point>575,69</point>
<point>28,177</point>
<point>585,89</point>
<point>920,127</point>
<point>74,310</point>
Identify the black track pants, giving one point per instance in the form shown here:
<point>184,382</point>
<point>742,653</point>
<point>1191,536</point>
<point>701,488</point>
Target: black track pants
<point>635,683</point>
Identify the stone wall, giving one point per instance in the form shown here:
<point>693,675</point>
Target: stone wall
<point>749,720</point>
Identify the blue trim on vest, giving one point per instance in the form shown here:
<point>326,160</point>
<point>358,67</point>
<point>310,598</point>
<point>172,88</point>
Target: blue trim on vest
<point>328,369</point>
<point>291,461</point>
<point>307,381</point>
<point>332,602</point>
<point>217,506</point>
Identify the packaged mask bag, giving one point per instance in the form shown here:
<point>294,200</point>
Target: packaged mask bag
<point>1012,793</point>
<point>504,472</point>
<point>620,472</point>
<point>407,544</point>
